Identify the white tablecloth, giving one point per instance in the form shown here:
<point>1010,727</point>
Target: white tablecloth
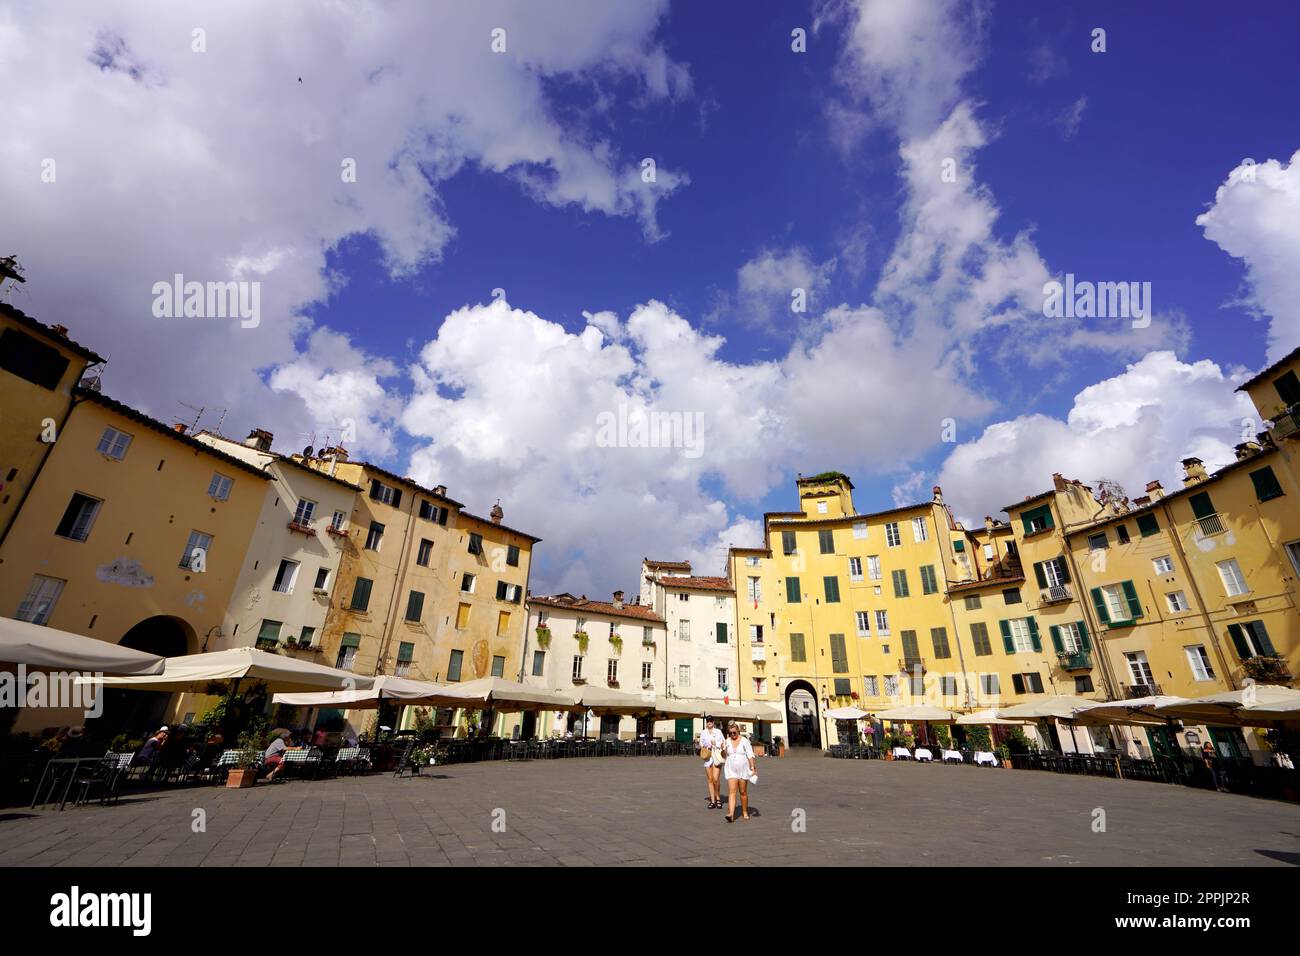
<point>952,755</point>
<point>901,753</point>
<point>923,754</point>
<point>984,757</point>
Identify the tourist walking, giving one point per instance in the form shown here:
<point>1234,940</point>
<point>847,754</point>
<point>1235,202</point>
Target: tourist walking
<point>1212,764</point>
<point>740,770</point>
<point>711,752</point>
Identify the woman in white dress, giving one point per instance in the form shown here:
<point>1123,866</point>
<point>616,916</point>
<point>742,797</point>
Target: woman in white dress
<point>739,769</point>
<point>711,740</point>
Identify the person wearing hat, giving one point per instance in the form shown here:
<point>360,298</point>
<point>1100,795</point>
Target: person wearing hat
<point>710,747</point>
<point>149,753</point>
<point>274,756</point>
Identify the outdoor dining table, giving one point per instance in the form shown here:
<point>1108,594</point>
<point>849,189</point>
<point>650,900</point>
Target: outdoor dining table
<point>68,767</point>
<point>902,753</point>
<point>983,757</point>
<point>923,753</point>
<point>953,755</point>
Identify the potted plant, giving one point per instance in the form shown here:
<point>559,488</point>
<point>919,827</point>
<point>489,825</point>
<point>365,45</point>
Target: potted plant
<point>778,746</point>
<point>543,636</point>
<point>1004,754</point>
<point>617,642</point>
<point>581,637</point>
<point>244,774</point>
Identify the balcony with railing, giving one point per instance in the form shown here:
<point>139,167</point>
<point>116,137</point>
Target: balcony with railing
<point>1268,669</point>
<point>1134,691</point>
<point>1056,594</point>
<point>911,664</point>
<point>1210,525</point>
<point>1286,424</point>
<point>1075,660</point>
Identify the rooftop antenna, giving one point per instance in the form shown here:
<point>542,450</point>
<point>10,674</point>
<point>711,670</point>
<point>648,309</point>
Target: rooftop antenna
<point>93,378</point>
<point>221,419</point>
<point>10,269</point>
<point>196,417</point>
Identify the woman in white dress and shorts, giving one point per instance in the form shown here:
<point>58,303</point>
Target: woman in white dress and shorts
<point>711,740</point>
<point>739,769</point>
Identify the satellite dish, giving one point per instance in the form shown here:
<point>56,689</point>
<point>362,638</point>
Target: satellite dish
<point>306,452</point>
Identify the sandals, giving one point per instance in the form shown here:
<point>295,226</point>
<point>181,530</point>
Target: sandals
<point>729,820</point>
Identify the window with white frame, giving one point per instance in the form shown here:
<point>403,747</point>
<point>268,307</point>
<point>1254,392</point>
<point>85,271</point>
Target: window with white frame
<point>286,576</point>
<point>1177,601</point>
<point>756,633</point>
<point>871,686</point>
<point>892,537</point>
<point>855,569</point>
<point>78,517</point>
<point>305,512</point>
<point>219,487</point>
<point>882,623</point>
<point>467,582</point>
<point>577,668</point>
<point>683,675</point>
<point>918,530</point>
<point>751,561</point>
<point>195,555</point>
<point>988,552</point>
<point>684,630</point>
<point>722,678</point>
<point>864,623</point>
<point>821,507</point>
<point>611,671</point>
<point>1163,564</point>
<point>1139,669</point>
<point>1199,661</point>
<point>38,603</point>
<point>1116,602</point>
<point>873,567</point>
<point>1021,638</point>
<point>1054,572</point>
<point>859,529</point>
<point>322,579</point>
<point>1071,638</point>
<point>754,588</point>
<point>1234,582</point>
<point>337,521</point>
<point>113,443</point>
<point>647,673</point>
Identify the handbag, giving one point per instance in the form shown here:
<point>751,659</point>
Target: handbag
<point>706,753</point>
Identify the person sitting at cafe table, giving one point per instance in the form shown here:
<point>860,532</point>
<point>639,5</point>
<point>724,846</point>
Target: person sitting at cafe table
<point>151,749</point>
<point>274,756</point>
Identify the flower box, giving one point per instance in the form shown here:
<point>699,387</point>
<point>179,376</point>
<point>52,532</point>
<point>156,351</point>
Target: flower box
<point>302,528</point>
<point>241,778</point>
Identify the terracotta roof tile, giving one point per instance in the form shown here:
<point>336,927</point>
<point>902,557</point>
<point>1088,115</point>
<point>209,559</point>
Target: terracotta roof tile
<point>639,612</point>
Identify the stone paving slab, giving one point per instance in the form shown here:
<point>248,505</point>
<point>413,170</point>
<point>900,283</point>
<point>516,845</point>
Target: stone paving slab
<point>651,811</point>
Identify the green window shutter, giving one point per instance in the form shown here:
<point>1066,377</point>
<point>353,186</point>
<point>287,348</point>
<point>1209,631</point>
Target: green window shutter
<point>900,583</point>
<point>1266,485</point>
<point>1201,504</point>
<point>350,640</point>
<point>1056,639</point>
<point>939,636</point>
<point>839,654</point>
<point>792,594</point>
<point>1239,642</point>
<point>959,545</point>
<point>1099,602</point>
<point>1040,574</point>
<point>1033,633</point>
<point>1261,638</point>
<point>826,541</point>
<point>1008,645</point>
<point>787,542</point>
<point>1063,568</point>
<point>414,606</point>
<point>405,653</point>
<point>722,632</point>
<point>929,583</point>
<point>1148,525</point>
<point>1134,605</point>
<point>910,647</point>
<point>1084,640</point>
<point>797,651</point>
<point>361,594</point>
<point>832,585</point>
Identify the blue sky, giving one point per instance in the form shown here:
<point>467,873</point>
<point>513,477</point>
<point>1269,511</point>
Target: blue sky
<point>774,165</point>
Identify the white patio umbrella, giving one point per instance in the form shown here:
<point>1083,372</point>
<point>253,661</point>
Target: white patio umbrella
<point>194,672</point>
<point>919,713</point>
<point>988,718</point>
<point>385,688</point>
<point>1057,707</point>
<point>846,713</point>
<point>1253,703</point>
<point>606,700</point>
<point>45,648</point>
<point>1138,711</point>
<point>507,695</point>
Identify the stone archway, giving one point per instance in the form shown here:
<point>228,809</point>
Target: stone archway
<point>802,714</point>
<point>136,712</point>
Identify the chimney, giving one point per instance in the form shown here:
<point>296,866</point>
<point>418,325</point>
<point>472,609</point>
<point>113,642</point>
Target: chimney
<point>179,428</point>
<point>260,439</point>
<point>1155,490</point>
<point>1059,483</point>
<point>618,599</point>
<point>1247,449</point>
<point>1141,501</point>
<point>1193,472</point>
<point>496,512</point>
<point>440,491</point>
<point>988,522</point>
<point>938,494</point>
<point>334,452</point>
<point>60,330</point>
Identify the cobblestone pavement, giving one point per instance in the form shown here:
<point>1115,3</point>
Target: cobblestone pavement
<point>647,810</point>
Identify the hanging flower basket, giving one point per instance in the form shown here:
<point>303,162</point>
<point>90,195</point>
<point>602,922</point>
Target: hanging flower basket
<point>543,636</point>
<point>582,641</point>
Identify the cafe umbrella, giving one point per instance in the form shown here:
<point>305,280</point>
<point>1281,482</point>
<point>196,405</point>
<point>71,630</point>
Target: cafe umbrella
<point>1057,707</point>
<point>918,714</point>
<point>37,647</point>
<point>196,672</point>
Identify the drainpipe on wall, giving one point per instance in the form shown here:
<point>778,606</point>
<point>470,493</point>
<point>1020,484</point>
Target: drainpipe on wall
<point>528,616</point>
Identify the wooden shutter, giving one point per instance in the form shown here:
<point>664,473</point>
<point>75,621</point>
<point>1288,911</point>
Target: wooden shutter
<point>397,497</point>
<point>1099,602</point>
<point>1261,638</point>
<point>792,595</point>
<point>1130,595</point>
<point>1040,574</point>
<point>910,648</point>
<point>1033,633</point>
<point>374,488</point>
<point>1265,482</point>
<point>1239,642</point>
<point>1007,643</point>
<point>1201,504</point>
<point>1084,640</point>
<point>1056,639</point>
<point>1063,569</point>
<point>797,650</point>
<point>361,594</point>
